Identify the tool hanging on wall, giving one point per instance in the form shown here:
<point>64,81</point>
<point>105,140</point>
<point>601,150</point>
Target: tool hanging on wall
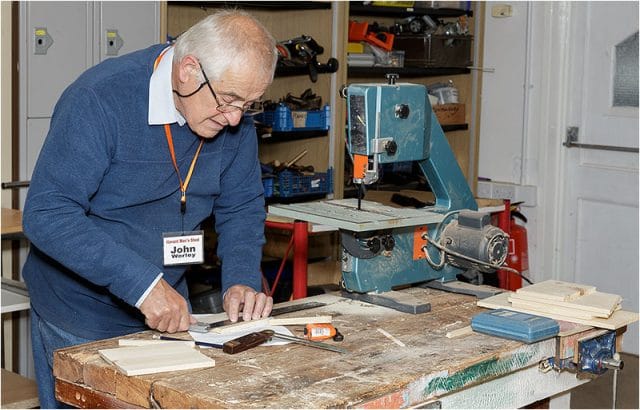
<point>303,51</point>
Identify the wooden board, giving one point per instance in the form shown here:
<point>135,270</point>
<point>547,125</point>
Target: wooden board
<point>11,221</point>
<point>556,290</point>
<point>617,320</point>
<point>560,310</point>
<point>18,392</point>
<point>168,357</point>
<point>600,304</point>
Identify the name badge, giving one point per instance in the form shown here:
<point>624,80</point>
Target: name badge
<point>183,248</point>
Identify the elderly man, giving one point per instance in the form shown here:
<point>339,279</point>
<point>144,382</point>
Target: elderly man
<point>141,149</point>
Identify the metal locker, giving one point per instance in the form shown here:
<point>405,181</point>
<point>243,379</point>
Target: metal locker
<point>60,40</point>
<point>36,132</point>
<point>49,71</point>
<point>123,27</point>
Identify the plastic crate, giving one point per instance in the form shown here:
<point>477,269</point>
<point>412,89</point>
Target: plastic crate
<point>267,184</point>
<point>282,119</point>
<point>291,184</point>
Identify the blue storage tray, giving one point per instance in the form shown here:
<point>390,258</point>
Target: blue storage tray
<point>515,325</point>
<point>267,184</point>
<point>285,120</point>
<point>291,184</point>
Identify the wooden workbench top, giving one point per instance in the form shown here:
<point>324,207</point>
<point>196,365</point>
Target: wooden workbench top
<point>417,364</point>
<point>11,221</point>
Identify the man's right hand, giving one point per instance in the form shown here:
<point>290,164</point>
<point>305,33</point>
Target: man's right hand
<point>166,310</point>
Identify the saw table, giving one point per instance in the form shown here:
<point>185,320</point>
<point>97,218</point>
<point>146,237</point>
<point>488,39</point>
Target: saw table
<point>394,360</point>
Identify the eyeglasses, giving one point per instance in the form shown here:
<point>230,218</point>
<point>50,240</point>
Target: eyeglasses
<point>225,107</point>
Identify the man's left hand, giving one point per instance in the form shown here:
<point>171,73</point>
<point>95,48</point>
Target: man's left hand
<point>243,299</point>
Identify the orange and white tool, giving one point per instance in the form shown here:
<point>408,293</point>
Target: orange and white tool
<point>322,331</point>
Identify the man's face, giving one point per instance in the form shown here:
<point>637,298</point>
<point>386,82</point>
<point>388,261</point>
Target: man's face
<point>217,103</point>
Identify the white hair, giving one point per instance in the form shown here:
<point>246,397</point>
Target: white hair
<point>229,40</point>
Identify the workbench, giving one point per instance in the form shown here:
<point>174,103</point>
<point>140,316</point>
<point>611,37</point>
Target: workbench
<point>415,364</point>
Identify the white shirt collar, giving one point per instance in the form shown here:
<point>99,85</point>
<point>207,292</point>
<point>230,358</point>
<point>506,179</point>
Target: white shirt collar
<point>162,109</point>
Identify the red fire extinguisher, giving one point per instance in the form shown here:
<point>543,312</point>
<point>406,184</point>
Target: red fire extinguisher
<point>518,257</point>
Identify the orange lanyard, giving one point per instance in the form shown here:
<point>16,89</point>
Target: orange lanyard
<point>167,130</point>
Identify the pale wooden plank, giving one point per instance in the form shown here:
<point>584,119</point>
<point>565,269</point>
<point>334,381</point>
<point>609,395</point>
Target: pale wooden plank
<point>549,308</point>
<point>556,290</point>
<point>463,331</point>
<point>599,303</point>
<point>138,360</point>
<point>11,221</point>
<point>152,342</point>
<point>249,325</point>
<point>18,392</point>
<point>617,320</point>
<point>289,321</point>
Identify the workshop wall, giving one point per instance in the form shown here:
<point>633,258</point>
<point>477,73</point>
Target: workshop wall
<point>506,152</point>
<point>502,133</point>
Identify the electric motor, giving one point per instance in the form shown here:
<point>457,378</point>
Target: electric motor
<point>472,235</point>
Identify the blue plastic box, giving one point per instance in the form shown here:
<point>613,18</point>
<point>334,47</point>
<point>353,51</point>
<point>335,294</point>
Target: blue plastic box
<point>267,184</point>
<point>285,120</point>
<point>515,325</point>
<point>291,184</point>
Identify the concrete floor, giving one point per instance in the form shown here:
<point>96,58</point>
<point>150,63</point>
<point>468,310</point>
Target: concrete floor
<point>597,394</point>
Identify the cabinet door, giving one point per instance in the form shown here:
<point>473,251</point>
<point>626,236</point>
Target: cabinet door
<point>122,27</point>
<point>59,41</point>
<point>49,70</point>
<point>37,129</point>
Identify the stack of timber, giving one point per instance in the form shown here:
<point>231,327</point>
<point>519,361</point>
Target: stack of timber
<point>571,302</point>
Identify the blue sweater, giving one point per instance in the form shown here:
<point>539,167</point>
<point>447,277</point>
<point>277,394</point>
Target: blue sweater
<point>104,190</point>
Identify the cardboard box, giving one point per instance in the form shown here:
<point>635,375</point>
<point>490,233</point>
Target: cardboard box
<point>450,114</point>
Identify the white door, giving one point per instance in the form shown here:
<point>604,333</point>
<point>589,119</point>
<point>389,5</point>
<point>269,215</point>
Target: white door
<point>599,210</point>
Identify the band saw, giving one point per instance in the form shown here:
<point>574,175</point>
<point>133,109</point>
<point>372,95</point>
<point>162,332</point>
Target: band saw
<point>385,247</point>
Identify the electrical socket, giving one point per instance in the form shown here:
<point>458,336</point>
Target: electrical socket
<point>484,189</point>
<point>503,191</point>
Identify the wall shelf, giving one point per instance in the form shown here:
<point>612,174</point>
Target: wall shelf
<point>264,5</point>
<point>455,127</point>
<point>279,136</point>
<point>359,9</point>
<point>405,72</point>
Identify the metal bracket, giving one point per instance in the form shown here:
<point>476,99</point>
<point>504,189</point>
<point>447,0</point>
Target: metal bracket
<point>379,144</point>
<point>572,138</point>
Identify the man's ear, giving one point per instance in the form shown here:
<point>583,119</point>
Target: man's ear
<point>187,68</point>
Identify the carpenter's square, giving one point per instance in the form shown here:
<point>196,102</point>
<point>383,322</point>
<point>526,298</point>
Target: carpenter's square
<point>202,327</point>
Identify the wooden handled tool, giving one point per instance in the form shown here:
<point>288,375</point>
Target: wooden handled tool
<point>254,339</point>
<point>246,342</point>
<point>295,159</point>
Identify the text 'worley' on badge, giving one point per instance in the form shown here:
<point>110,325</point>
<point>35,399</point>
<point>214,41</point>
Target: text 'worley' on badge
<point>183,248</point>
